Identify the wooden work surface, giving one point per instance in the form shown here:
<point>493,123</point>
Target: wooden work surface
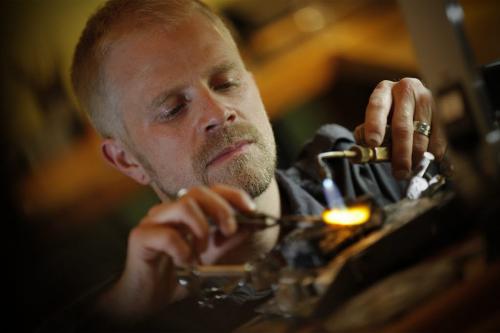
<point>430,297</point>
<point>451,288</point>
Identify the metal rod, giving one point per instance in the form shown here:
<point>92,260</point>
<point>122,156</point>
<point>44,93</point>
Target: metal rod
<point>338,154</point>
<point>221,270</point>
<point>211,271</point>
<point>266,220</point>
<point>358,154</point>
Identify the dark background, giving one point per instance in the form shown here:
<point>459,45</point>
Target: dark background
<point>315,61</point>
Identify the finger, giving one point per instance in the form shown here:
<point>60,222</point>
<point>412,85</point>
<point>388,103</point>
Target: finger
<point>238,198</point>
<point>359,134</point>
<point>377,112</point>
<point>437,142</point>
<point>149,241</point>
<point>224,245</point>
<point>216,207</point>
<point>423,113</point>
<point>186,212</point>
<point>402,128</point>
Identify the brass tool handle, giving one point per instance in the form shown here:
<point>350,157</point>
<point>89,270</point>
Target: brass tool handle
<point>365,154</point>
<point>369,155</point>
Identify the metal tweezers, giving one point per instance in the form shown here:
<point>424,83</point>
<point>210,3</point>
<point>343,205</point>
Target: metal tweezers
<point>265,220</point>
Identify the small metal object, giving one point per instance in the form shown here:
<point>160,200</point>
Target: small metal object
<point>416,187</point>
<point>181,193</point>
<point>367,154</point>
<point>422,128</point>
<point>262,220</point>
<point>426,160</point>
<point>209,271</point>
<point>213,283</point>
<point>192,278</point>
<point>418,184</point>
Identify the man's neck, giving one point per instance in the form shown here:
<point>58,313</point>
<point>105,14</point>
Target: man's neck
<point>269,201</point>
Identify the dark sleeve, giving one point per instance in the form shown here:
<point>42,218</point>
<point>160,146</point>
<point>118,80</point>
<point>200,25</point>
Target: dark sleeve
<point>76,265</point>
<point>353,180</point>
<point>80,315</point>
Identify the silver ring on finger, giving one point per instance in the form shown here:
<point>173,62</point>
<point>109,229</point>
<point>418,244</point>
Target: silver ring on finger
<point>182,192</point>
<point>422,127</point>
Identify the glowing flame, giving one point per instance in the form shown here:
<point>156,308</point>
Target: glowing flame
<point>347,216</point>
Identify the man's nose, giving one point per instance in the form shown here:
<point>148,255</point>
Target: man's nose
<point>215,113</point>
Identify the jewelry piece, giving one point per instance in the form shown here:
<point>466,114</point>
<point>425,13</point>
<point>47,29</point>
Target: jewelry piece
<point>422,128</point>
<point>181,193</point>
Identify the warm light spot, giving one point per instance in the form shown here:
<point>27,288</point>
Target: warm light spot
<point>309,19</point>
<point>347,216</point>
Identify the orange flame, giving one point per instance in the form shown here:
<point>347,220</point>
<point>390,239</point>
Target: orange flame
<point>348,216</point>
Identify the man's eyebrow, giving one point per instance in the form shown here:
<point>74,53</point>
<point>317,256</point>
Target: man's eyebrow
<point>223,67</point>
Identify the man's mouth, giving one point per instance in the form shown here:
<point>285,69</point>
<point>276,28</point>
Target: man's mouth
<point>229,152</point>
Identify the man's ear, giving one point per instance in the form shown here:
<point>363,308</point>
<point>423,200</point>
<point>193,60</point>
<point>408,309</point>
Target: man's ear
<point>119,157</point>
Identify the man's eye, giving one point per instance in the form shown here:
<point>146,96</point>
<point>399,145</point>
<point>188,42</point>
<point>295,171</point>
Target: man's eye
<point>171,113</point>
<point>224,86</point>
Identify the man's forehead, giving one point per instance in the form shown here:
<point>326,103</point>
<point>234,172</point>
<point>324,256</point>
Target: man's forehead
<point>145,50</point>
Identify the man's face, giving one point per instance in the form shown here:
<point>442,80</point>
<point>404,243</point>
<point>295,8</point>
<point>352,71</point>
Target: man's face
<point>192,113</point>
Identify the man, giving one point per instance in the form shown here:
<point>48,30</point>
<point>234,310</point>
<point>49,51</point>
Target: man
<point>165,86</point>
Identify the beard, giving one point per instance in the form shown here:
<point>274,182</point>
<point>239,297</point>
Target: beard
<point>251,171</point>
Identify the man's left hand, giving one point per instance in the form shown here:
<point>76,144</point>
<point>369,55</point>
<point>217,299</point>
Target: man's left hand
<point>399,104</point>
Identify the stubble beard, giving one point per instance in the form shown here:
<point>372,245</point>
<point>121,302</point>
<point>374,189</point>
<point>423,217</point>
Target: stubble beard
<point>251,171</point>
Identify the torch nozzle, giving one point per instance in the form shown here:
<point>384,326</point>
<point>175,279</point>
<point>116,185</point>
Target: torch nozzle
<point>360,154</point>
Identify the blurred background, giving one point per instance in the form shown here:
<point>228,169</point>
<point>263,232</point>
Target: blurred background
<point>315,62</point>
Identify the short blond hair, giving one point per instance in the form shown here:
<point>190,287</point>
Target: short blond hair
<point>107,24</point>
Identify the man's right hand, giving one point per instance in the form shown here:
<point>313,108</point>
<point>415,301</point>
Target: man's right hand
<point>174,234</point>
